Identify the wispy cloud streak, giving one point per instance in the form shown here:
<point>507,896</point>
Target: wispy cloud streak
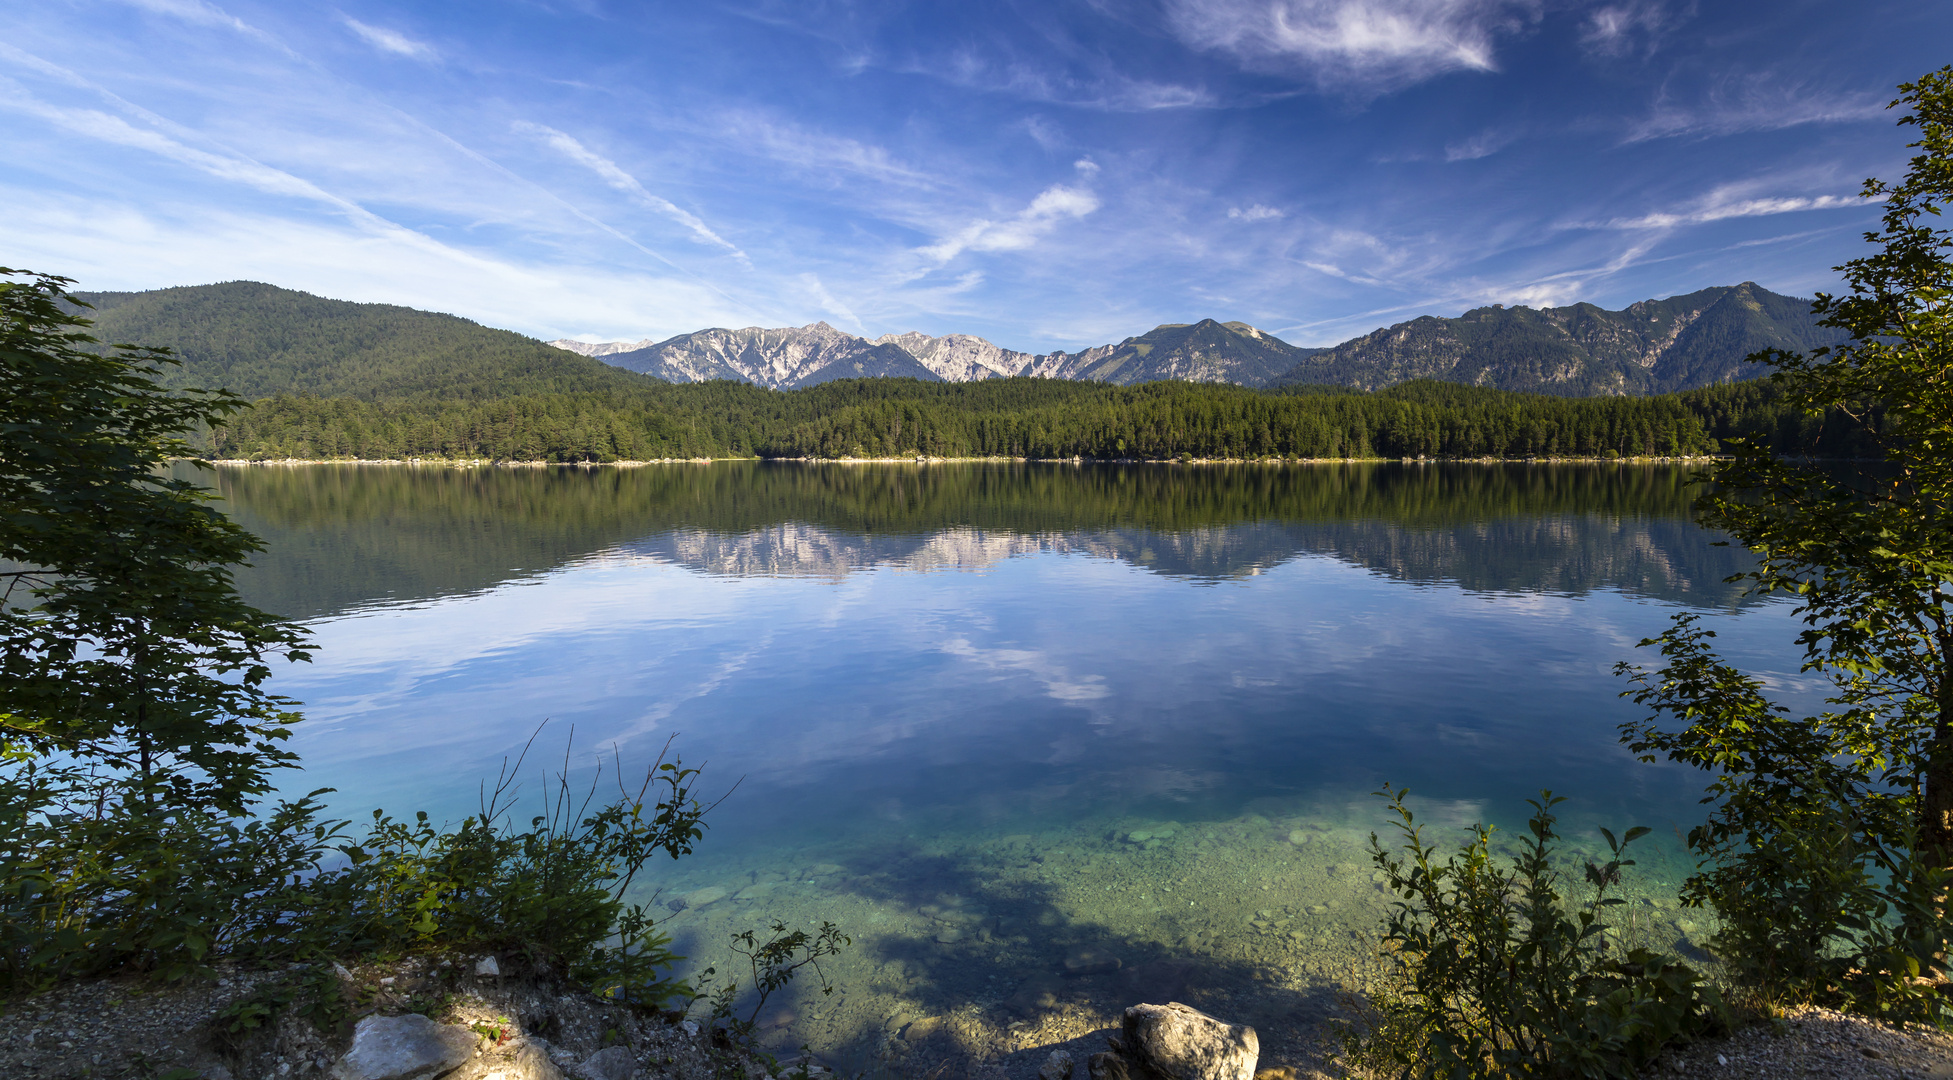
<point>617,178</point>
<point>1353,45</point>
<point>390,41</point>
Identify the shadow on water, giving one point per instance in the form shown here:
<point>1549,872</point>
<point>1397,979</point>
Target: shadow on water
<point>980,957</point>
<point>987,956</point>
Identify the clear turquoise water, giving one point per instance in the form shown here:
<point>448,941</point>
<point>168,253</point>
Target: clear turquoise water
<point>951,699</point>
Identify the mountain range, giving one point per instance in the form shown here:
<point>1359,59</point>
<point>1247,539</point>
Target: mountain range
<point>793,357</point>
<point>1655,346</point>
<point>1651,347</point>
<point>260,340</point>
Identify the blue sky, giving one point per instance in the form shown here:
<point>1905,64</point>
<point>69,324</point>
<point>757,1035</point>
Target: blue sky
<point>1046,174</point>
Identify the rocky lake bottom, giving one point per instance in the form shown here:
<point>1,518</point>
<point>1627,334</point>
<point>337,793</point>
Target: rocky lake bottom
<point>973,948</point>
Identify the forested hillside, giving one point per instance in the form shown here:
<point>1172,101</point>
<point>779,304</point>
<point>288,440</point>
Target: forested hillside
<point>1037,418</point>
<point>259,340</point>
<point>375,381</point>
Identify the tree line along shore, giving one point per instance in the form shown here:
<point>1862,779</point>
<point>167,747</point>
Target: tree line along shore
<point>1031,419</point>
<point>466,463</point>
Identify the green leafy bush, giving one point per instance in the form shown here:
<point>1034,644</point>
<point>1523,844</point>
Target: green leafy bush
<point>94,882</point>
<point>1829,849</point>
<point>1810,855</point>
<point>1497,972</point>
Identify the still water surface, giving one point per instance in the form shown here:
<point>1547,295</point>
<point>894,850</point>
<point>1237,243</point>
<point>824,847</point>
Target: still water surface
<point>1045,739</point>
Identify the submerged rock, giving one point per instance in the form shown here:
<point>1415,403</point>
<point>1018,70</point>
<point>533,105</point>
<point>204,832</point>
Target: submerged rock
<point>1091,962</point>
<point>697,898</point>
<point>409,1047</point>
<point>1038,992</point>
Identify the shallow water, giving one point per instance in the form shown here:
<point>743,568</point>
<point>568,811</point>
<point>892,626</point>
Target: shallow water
<point>1044,739</point>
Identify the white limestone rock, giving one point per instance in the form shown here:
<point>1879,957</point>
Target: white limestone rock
<point>1178,1042</point>
<point>409,1047</point>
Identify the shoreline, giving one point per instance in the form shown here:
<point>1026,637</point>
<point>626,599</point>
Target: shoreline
<point>476,463</point>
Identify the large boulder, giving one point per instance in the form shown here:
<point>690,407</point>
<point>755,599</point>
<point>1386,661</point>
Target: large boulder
<point>409,1047</point>
<point>1178,1042</point>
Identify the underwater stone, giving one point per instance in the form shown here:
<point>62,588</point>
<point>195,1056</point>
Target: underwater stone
<point>1091,962</point>
<point>1037,992</point>
<point>1298,837</point>
<point>698,898</point>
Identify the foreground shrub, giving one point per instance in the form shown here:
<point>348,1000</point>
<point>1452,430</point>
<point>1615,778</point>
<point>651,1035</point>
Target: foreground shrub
<point>1829,847</point>
<point>1497,972</point>
<point>92,882</point>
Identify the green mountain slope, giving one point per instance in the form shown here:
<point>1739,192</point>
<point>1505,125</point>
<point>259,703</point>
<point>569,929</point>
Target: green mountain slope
<point>1652,347</point>
<point>259,340</point>
<point>1206,351</point>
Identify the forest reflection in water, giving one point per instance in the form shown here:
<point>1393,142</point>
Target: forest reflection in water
<point>346,535</point>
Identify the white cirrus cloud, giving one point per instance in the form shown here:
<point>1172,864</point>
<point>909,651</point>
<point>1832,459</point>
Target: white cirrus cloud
<point>811,150</point>
<point>1257,212</point>
<point>1353,46</point>
<point>385,40</point>
<point>229,167</point>
<point>611,174</point>
<point>1618,29</point>
<point>818,290</point>
<point>1759,102</point>
<point>1482,145</point>
<point>1053,206</point>
<point>1725,203</point>
<point>193,11</point>
<point>111,243</point>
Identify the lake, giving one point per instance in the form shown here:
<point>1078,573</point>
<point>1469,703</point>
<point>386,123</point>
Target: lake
<point>1046,739</point>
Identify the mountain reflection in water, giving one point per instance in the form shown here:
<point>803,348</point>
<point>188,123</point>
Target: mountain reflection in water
<point>342,537</point>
